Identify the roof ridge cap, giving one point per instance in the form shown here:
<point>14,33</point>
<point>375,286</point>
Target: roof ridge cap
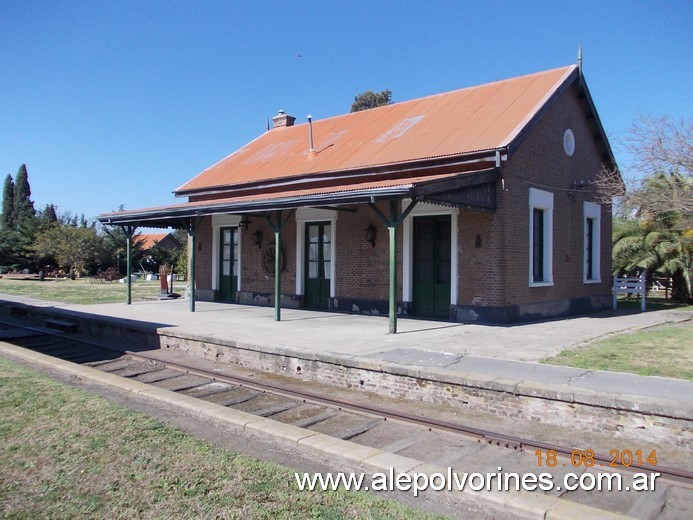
<point>567,68</point>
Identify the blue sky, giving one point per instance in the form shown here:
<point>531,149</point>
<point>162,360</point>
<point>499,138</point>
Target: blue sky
<point>113,103</point>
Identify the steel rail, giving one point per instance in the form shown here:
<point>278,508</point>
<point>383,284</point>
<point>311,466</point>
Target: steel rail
<point>488,436</point>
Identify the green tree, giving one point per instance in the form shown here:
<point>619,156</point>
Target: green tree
<point>665,197</point>
<point>370,99</point>
<point>23,206</point>
<point>181,260</point>
<point>8,239</point>
<point>17,222</point>
<point>9,248</point>
<point>656,228</point>
<point>157,255</point>
<point>47,217</point>
<point>114,253</point>
<point>659,248</point>
<point>7,218</point>
<point>71,247</point>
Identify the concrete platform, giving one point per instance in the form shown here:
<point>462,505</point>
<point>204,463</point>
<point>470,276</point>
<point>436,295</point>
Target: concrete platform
<point>494,353</point>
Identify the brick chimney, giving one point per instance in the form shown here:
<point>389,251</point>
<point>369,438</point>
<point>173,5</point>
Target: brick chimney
<point>283,119</point>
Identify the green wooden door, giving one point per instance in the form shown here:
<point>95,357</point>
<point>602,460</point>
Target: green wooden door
<point>318,266</point>
<point>228,264</point>
<point>431,266</point>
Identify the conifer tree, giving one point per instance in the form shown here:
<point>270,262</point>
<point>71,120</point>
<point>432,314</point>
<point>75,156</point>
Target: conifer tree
<point>47,217</point>
<point>7,218</point>
<point>23,206</point>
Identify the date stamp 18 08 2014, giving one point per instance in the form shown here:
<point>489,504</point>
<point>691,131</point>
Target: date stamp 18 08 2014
<point>587,458</point>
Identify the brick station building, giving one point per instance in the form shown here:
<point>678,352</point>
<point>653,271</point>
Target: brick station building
<point>472,205</point>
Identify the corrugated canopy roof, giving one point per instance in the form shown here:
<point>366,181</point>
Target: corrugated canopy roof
<point>458,123</point>
<point>334,195</point>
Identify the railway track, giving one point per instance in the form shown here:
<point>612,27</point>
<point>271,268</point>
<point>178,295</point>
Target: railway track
<point>433,441</point>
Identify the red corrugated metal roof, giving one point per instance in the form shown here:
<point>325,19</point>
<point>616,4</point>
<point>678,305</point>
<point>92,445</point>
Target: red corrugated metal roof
<point>486,117</point>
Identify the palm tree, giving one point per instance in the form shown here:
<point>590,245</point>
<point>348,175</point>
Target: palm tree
<point>656,247</point>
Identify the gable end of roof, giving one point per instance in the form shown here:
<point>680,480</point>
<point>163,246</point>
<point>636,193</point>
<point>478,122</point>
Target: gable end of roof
<point>572,79</point>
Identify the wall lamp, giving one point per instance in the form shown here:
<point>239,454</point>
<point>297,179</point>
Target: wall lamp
<point>370,235</point>
<point>257,239</point>
<point>244,223</point>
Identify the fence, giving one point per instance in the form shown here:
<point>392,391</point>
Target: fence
<point>630,286</point>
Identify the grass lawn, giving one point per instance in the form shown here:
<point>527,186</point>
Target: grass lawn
<point>83,290</point>
<point>69,454</point>
<point>654,302</point>
<point>665,350</point>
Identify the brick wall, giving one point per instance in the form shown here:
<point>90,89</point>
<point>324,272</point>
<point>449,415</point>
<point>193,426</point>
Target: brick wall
<point>480,254</point>
<point>363,270</point>
<point>541,162</point>
<point>203,255</point>
<point>493,250</point>
<point>254,277</point>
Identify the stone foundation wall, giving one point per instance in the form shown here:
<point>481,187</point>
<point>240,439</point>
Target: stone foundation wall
<point>643,421</point>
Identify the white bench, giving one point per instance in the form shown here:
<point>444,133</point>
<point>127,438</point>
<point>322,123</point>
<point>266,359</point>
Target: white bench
<point>630,286</point>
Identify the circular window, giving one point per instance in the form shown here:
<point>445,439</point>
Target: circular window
<point>569,142</point>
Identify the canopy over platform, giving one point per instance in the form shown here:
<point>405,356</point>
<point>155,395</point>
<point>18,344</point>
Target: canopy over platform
<point>471,189</point>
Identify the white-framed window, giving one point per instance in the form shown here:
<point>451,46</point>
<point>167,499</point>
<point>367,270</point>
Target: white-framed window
<point>540,238</point>
<point>592,228</point>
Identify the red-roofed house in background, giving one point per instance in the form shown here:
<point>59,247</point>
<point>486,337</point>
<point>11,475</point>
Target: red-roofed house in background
<point>165,240</point>
<point>472,205</point>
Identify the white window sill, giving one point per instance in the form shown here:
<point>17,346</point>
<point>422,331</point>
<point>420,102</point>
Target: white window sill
<point>541,284</point>
<point>586,282</point>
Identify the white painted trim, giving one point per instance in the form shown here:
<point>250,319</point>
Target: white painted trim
<point>454,257</point>
<point>424,209</point>
<point>304,215</point>
<point>543,200</point>
<point>300,243</point>
<point>541,284</point>
<point>593,211</point>
<point>218,222</point>
<point>315,215</point>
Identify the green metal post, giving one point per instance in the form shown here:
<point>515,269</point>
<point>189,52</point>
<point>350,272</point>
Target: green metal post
<point>191,274</point>
<point>393,278</point>
<point>277,274</point>
<point>392,222</point>
<point>130,231</point>
<point>277,227</point>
